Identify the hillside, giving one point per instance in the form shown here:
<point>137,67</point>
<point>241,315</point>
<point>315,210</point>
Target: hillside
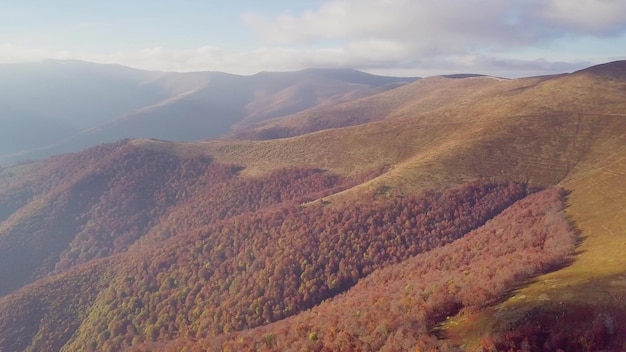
<point>398,307</point>
<point>392,233</point>
<point>212,243</point>
<point>82,104</point>
<point>566,130</point>
<point>422,96</point>
<point>534,130</point>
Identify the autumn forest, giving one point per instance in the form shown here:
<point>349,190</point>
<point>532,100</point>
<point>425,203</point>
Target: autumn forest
<point>190,251</point>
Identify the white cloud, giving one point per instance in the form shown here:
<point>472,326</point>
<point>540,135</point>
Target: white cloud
<point>435,27</point>
<point>596,17</point>
<point>16,53</point>
<point>468,34</point>
<point>417,37</point>
<point>441,25</point>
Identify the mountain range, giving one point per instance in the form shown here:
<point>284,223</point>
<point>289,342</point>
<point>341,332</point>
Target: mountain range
<point>465,212</point>
<point>53,106</point>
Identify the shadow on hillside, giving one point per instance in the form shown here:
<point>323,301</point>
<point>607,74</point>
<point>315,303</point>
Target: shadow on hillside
<point>439,329</point>
<point>592,318</point>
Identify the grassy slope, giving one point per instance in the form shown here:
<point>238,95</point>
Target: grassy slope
<point>419,97</point>
<point>596,180</point>
<point>598,275</point>
<point>480,136</point>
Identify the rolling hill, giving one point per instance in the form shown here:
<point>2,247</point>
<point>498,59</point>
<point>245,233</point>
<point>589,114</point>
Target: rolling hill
<point>64,106</point>
<point>469,213</point>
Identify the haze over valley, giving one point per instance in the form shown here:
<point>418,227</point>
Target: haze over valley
<point>63,106</point>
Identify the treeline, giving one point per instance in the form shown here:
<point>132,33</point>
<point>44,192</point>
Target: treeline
<point>214,201</point>
<point>258,268</point>
<point>312,125</point>
<point>396,308</point>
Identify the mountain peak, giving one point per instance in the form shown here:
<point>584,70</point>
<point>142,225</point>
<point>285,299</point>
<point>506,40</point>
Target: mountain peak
<point>615,69</point>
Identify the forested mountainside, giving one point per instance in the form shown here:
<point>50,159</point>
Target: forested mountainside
<point>398,308</point>
<point>213,272</point>
<point>460,221</point>
<point>79,207</point>
<point>194,248</point>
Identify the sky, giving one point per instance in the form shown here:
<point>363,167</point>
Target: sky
<point>507,38</point>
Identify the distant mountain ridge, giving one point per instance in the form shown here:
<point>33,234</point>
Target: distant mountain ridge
<point>64,106</point>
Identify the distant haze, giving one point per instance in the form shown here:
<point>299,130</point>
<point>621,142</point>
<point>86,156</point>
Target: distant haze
<point>63,106</point>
